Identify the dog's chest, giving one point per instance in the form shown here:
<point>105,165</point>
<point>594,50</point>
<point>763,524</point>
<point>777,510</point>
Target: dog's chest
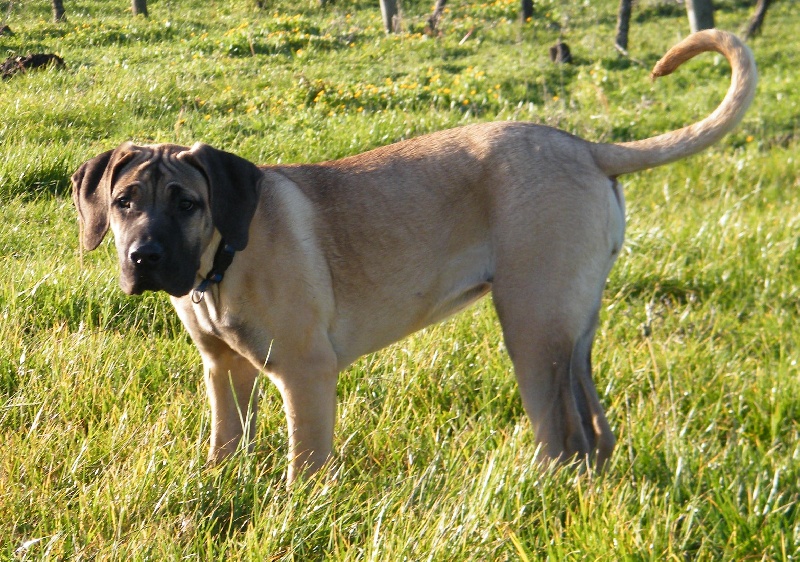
<point>208,320</point>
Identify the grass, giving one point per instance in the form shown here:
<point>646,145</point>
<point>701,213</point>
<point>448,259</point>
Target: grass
<point>103,418</point>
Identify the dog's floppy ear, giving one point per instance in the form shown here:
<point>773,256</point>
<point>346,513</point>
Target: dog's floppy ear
<point>232,182</point>
<point>91,192</point>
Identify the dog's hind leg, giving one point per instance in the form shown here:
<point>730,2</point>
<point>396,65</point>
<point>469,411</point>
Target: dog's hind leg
<point>595,425</point>
<point>553,368</point>
<point>547,300</point>
<point>542,357</point>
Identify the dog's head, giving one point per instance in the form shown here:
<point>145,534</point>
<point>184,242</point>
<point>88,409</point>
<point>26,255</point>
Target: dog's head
<point>163,202</point>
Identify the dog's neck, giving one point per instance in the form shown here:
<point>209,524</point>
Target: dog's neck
<point>223,258</point>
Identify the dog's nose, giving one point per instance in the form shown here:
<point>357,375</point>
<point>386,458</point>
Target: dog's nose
<point>148,254</point>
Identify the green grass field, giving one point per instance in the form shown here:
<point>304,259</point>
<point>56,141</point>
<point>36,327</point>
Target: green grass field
<point>103,417</point>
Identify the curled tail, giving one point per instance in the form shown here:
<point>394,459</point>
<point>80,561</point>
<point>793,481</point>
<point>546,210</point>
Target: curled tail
<point>623,158</point>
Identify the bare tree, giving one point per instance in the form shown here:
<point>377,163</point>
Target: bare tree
<point>754,26</point>
<point>389,14</point>
<point>139,7</point>
<point>433,21</point>
<point>701,14</point>
<point>623,24</point>
<point>527,10</point>
<point>58,10</point>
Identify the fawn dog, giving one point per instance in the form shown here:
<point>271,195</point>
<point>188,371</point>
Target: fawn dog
<point>297,270</point>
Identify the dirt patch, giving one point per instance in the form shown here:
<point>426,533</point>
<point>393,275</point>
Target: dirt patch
<point>560,53</point>
<point>17,64</point>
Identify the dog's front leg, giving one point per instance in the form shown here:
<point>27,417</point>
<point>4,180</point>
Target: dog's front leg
<point>308,389</point>
<point>231,387</point>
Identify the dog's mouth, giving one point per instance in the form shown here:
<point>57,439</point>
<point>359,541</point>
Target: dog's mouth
<point>138,286</point>
<point>172,279</point>
<point>138,283</point>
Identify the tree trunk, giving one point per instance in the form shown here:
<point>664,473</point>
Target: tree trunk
<point>58,10</point>
<point>433,21</point>
<point>389,13</point>
<point>527,10</point>
<point>754,27</point>
<point>139,7</point>
<point>701,14</point>
<point>623,23</point>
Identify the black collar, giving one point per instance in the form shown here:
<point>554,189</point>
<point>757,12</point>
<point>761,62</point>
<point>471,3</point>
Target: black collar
<point>222,259</point>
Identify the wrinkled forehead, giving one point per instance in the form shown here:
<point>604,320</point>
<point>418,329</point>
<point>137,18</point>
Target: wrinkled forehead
<point>158,166</point>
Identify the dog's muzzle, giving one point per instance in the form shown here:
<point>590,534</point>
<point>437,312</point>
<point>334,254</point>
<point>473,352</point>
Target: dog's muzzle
<point>146,266</point>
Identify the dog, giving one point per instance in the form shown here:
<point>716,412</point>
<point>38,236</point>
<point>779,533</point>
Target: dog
<point>297,270</point>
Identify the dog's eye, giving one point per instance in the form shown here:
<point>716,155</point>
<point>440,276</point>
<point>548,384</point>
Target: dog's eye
<point>123,202</point>
<point>186,205</point>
